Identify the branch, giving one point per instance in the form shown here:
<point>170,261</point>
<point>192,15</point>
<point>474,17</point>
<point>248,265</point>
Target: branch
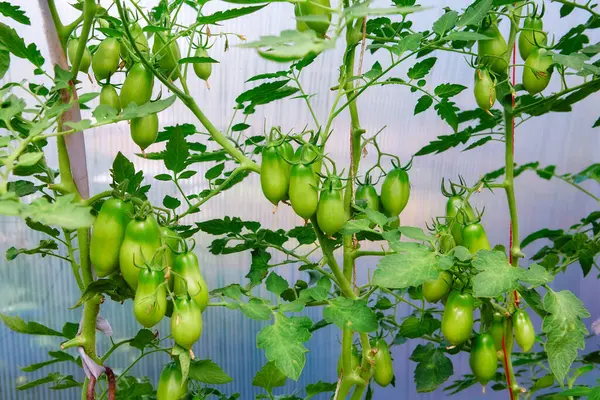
<point>585,6</point>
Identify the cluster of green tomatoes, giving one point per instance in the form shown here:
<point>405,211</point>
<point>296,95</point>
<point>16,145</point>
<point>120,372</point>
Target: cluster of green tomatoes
<point>113,54</point>
<point>158,265</point>
<point>295,175</point>
<point>493,57</point>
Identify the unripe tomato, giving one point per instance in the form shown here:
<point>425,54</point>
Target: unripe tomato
<point>523,329</point>
<point>384,369</point>
<point>307,9</point>
<point>483,359</point>
<point>171,240</point>
<point>86,58</point>
<point>330,211</point>
<point>189,280</point>
<point>537,72</point>
<point>202,70</point>
<point>436,289</point>
<point>274,174</point>
<point>186,322</point>
<point>300,25</point>
<point>447,242</point>
<point>108,233</point>
<point>474,238</point>
<point>485,90</point>
<point>493,52</point>
<point>395,191</point>
<point>168,55</point>
<point>532,37</point>
<point>457,321</point>
<point>144,130</point>
<point>496,329</point>
<point>137,87</point>
<point>457,218</point>
<point>308,155</point>
<point>395,218</point>
<point>140,40</point>
<point>110,97</point>
<point>368,194</point>
<point>171,385</point>
<point>303,190</point>
<point>150,302</point>
<point>142,239</point>
<point>106,58</point>
<point>354,361</point>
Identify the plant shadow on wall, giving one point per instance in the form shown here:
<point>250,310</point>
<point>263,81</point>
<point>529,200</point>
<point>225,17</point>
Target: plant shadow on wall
<point>465,295</point>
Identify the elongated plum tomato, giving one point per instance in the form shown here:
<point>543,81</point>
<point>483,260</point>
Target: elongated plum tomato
<point>308,155</point>
<point>106,58</point>
<point>186,322</point>
<point>485,91</point>
<point>300,25</point>
<point>496,329</point>
<point>537,72</point>
<point>330,211</point>
<point>474,238</point>
<point>321,16</point>
<point>436,289</point>
<point>140,41</point>
<point>171,385</point>
<point>168,54</point>
<point>532,36</point>
<point>395,191</point>
<point>274,174</point>
<point>456,217</point>
<point>137,87</point>
<point>189,280</point>
<point>493,52</point>
<point>447,242</point>
<point>523,330</point>
<point>142,238</point>
<point>144,130</point>
<point>110,97</point>
<point>368,194</point>
<point>86,59</point>
<point>150,302</point>
<point>384,369</point>
<point>483,359</point>
<point>303,190</point>
<point>354,360</point>
<point>108,233</point>
<point>202,70</point>
<point>457,321</point>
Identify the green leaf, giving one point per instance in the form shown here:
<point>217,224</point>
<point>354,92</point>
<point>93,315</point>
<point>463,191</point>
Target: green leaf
<point>14,12</point>
<point>256,309</point>
<point>115,287</point>
<point>43,247</point>
<point>423,104</point>
<point>171,202</point>
<point>283,343</point>
<point>291,45</point>
<point>496,276</point>
<point>361,10</point>
<point>445,23</point>
<point>352,314</point>
<point>303,234</point>
<point>198,60</point>
<point>422,68</point>
<point>30,328</point>
<point>564,329</point>
<point>143,338</point>
<point>63,212</point>
<point>29,159</point>
<point>58,356</point>
<point>11,41</point>
<point>536,275</point>
<point>475,13</point>
<point>413,327</point>
<point>320,387</point>
<point>466,36</point>
<point>269,377</point>
<point>447,111</point>
<point>446,90</point>
<point>177,151</point>
<point>206,371</point>
<point>433,369</point>
<point>276,283</point>
<point>221,226</point>
<point>407,43</point>
<point>414,233</point>
<point>411,267</point>
<point>215,171</point>
<point>355,225</point>
<point>4,62</point>
<point>227,14</point>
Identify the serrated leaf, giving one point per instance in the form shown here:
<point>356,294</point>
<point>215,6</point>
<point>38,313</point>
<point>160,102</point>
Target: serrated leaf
<point>423,104</point>
<point>412,267</point>
<point>14,12</point>
<point>214,172</point>
<point>227,14</point>
<point>276,283</point>
<point>475,13</point>
<point>445,23</point>
<point>466,36</point>
<point>496,276</point>
<point>433,369</point>
<point>407,43</point>
<point>352,314</point>
<point>447,111</point>
<point>30,328</point>
<point>177,152</point>
<point>291,45</point>
<point>535,275</point>
<point>446,90</point>
<point>422,68</point>
<point>269,377</point>
<point>256,309</point>
<point>206,371</point>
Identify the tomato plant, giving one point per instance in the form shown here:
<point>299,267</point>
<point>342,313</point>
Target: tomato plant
<point>444,282</point>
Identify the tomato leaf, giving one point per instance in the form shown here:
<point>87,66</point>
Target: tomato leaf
<point>227,14</point>
<point>496,275</point>
<point>475,13</point>
<point>352,314</point>
<point>445,23</point>
<point>423,104</point>
<point>411,267</point>
<point>256,309</point>
<point>269,377</point>
<point>422,68</point>
<point>14,12</point>
<point>276,284</point>
<point>177,151</point>
<point>30,328</point>
<point>433,367</point>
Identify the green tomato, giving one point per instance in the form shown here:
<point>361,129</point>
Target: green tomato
<point>86,58</point>
<point>537,71</point>
<point>186,322</point>
<point>354,361</point>
<point>171,241</point>
<point>457,321</point>
<point>137,87</point>
<point>106,58</point>
<point>532,37</point>
<point>150,302</point>
<point>456,218</point>
<point>140,40</point>
<point>523,330</point>
<point>168,55</point>
<point>485,90</point>
<point>274,174</point>
<point>496,329</point>
<point>395,191</point>
<point>483,359</point>
<point>368,194</point>
<point>493,52</point>
<point>202,70</point>
<point>142,239</point>
<point>436,289</point>
<point>321,24</point>
<point>144,130</point>
<point>110,97</point>
<point>189,280</point>
<point>108,233</point>
<point>300,25</point>
<point>303,190</point>
<point>474,238</point>
<point>331,215</point>
<point>384,369</point>
<point>308,155</point>
<point>171,385</point>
